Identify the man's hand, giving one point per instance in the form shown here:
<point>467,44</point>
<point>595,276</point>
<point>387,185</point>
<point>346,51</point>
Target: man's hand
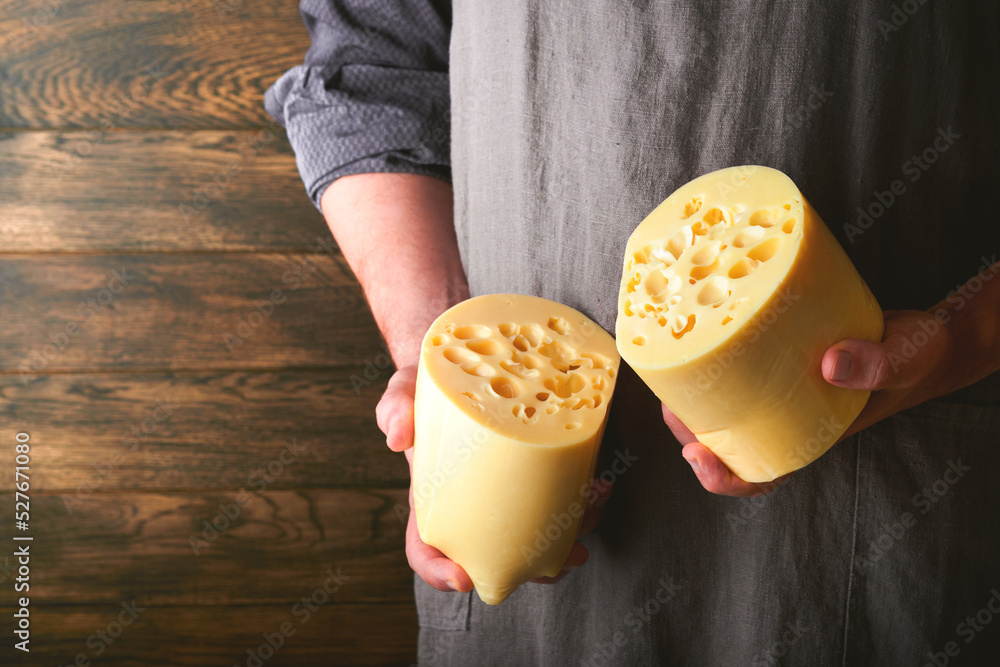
<point>394,414</point>
<point>910,366</point>
<point>410,218</point>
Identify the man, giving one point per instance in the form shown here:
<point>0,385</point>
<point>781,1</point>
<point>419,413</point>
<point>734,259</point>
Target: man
<point>569,123</point>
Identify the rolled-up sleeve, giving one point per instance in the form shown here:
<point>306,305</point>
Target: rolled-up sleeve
<point>372,95</point>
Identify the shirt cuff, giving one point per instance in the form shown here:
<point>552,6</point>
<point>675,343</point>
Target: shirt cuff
<point>381,164</point>
<point>376,120</point>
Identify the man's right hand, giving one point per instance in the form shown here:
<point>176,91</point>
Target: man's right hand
<point>394,414</point>
<point>408,218</point>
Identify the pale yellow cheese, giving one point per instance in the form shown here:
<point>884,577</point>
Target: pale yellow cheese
<point>511,401</point>
<point>731,291</point>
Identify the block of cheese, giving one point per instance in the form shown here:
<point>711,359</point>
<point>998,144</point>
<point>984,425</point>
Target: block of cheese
<point>511,401</point>
<point>732,289</point>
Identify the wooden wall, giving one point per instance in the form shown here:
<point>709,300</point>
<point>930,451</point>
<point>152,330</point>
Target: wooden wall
<point>184,345</point>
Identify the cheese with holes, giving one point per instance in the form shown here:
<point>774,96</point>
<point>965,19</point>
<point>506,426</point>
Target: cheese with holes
<point>511,401</point>
<point>732,290</point>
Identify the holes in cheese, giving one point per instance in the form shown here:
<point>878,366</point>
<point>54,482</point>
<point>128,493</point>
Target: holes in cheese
<point>512,397</point>
<point>734,346</point>
<point>484,347</point>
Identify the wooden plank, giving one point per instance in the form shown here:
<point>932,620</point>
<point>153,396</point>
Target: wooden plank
<point>156,63</point>
<point>153,191</point>
<point>199,431</point>
<point>335,634</point>
<point>206,311</point>
<point>266,546</point>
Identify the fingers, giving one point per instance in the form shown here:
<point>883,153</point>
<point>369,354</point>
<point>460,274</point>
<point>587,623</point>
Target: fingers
<point>433,566</point>
<point>911,365</point>
<point>709,469</point>
<point>394,412</point>
<point>683,434</point>
<point>913,349</point>
<point>444,574</point>
<point>578,555</point>
<point>717,478</point>
<point>859,364</point>
<point>904,369</point>
<point>428,562</point>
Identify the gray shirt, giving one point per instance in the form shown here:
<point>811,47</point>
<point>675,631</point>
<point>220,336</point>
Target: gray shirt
<point>569,123</point>
<point>372,94</point>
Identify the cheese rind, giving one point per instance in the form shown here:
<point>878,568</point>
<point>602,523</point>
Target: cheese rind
<point>732,289</point>
<point>511,401</point>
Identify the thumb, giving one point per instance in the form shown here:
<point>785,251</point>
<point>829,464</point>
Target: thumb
<point>394,412</point>
<point>863,364</point>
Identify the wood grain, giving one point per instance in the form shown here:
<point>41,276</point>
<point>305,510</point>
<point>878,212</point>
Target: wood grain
<point>206,311</point>
<point>335,634</point>
<point>278,546</point>
<point>157,250</point>
<point>188,431</point>
<point>150,64</point>
<point>154,191</point>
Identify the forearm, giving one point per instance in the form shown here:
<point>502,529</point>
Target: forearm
<point>397,233</point>
<point>971,316</point>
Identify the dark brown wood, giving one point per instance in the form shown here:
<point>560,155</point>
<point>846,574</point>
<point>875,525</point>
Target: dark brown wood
<point>134,145</point>
<point>156,63</point>
<point>208,311</point>
<point>200,431</point>
<point>154,191</point>
<point>265,547</point>
<point>335,634</point>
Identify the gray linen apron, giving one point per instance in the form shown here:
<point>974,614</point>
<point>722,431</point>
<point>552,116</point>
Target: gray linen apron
<point>570,122</point>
